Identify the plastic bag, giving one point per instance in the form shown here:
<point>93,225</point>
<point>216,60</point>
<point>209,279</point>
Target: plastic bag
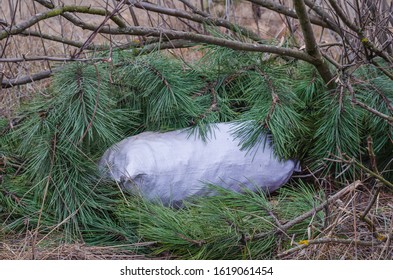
<point>174,166</point>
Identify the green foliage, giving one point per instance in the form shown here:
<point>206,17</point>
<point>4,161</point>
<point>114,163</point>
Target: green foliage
<point>273,109</point>
<point>226,226</point>
<point>161,89</point>
<point>338,130</point>
<point>59,142</point>
<point>298,200</point>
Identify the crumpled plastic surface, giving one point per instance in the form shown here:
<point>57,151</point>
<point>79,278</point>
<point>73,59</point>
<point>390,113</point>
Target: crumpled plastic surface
<point>174,166</point>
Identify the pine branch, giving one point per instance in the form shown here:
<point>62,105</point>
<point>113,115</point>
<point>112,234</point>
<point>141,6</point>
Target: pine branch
<point>275,98</point>
<point>368,108</point>
<point>48,182</point>
<point>382,69</point>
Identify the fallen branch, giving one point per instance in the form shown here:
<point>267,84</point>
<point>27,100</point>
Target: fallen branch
<point>305,243</point>
<point>370,172</point>
<point>310,213</point>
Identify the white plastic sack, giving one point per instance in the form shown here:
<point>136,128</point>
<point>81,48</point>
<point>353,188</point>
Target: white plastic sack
<point>173,166</point>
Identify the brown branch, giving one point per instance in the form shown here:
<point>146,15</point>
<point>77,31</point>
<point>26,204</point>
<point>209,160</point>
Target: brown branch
<point>61,39</point>
<point>194,9</point>
<point>375,112</point>
<point>281,9</point>
<point>206,19</point>
<point>361,36</point>
<point>149,45</point>
<point>53,13</point>
<point>157,32</point>
<point>324,15</point>
<point>172,44</point>
<point>349,160</point>
<point>135,21</point>
<point>236,45</point>
<point>96,31</point>
<point>328,240</point>
<point>174,34</point>
<point>311,44</point>
<point>25,79</point>
<point>310,213</point>
<point>8,83</point>
<point>199,243</point>
<point>44,58</point>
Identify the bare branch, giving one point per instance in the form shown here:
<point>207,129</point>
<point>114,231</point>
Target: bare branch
<point>44,58</point>
<point>206,19</point>
<point>311,44</point>
<point>94,34</point>
<point>375,112</point>
<point>52,13</point>
<point>307,243</point>
<point>312,212</point>
<point>207,39</point>
<point>61,40</point>
<point>25,79</point>
<point>281,9</point>
<point>361,36</point>
<point>323,14</point>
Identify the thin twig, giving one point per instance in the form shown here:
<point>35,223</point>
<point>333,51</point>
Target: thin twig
<point>310,213</point>
<point>45,58</point>
<point>372,173</point>
<point>307,243</point>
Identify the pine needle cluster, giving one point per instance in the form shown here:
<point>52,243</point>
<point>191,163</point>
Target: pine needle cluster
<point>228,226</point>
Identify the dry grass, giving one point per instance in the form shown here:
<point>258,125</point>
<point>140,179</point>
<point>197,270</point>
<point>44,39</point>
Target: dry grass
<point>344,223</point>
<point>20,248</point>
